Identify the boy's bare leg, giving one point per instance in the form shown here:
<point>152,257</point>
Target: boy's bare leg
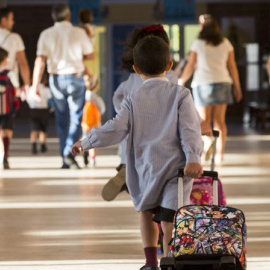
<point>42,137</point>
<point>92,155</point>
<point>6,138</point>
<point>33,139</point>
<point>149,233</point>
<point>33,136</point>
<point>167,228</point>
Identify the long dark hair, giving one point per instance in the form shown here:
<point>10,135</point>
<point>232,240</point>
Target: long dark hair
<point>211,33</point>
<point>136,35</point>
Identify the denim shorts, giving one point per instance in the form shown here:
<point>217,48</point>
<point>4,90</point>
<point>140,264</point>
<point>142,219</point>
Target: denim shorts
<point>212,94</point>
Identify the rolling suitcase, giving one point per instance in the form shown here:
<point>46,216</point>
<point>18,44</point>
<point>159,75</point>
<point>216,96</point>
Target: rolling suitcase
<point>202,191</point>
<point>206,236</point>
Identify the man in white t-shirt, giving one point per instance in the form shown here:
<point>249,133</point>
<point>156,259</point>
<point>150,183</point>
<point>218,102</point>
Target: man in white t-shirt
<point>64,47</point>
<point>13,43</point>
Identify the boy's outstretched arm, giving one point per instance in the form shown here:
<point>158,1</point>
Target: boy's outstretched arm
<point>112,132</point>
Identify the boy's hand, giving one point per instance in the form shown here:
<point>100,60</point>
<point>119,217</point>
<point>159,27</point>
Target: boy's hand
<point>76,148</point>
<point>193,170</point>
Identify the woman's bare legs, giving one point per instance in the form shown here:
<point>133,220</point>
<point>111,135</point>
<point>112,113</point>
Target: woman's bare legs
<point>219,118</point>
<point>206,113</point>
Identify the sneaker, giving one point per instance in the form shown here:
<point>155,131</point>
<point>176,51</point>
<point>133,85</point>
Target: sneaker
<point>65,166</point>
<point>150,268</point>
<point>92,161</point>
<point>34,148</point>
<point>71,162</point>
<point>114,185</point>
<point>6,164</point>
<point>85,158</point>
<point>43,148</point>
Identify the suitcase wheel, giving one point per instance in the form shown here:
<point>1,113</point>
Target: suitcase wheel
<point>167,268</point>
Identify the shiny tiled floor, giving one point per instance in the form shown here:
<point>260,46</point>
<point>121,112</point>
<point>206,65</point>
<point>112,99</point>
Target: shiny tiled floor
<point>56,219</point>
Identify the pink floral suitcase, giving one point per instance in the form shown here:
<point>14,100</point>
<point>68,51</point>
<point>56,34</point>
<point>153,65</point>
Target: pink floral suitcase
<point>202,191</point>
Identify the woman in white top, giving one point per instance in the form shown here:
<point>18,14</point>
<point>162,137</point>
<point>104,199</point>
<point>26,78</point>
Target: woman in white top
<point>212,61</point>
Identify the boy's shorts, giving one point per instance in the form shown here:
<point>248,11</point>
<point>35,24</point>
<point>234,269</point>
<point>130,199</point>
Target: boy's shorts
<point>39,119</point>
<point>162,214</point>
<point>6,121</point>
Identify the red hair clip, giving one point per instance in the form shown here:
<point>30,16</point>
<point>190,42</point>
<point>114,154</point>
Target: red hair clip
<point>152,28</point>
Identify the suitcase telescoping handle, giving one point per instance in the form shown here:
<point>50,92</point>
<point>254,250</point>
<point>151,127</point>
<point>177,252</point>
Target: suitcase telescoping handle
<point>212,174</point>
<point>215,133</point>
<point>214,143</point>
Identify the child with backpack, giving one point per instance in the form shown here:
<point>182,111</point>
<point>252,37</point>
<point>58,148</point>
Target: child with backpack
<point>164,134</point>
<point>9,104</point>
<point>93,108</point>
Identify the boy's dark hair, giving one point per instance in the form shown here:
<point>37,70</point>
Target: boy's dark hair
<point>136,35</point>
<point>60,12</point>
<point>151,55</point>
<point>3,54</point>
<point>85,15</point>
<point>211,33</point>
<point>4,12</point>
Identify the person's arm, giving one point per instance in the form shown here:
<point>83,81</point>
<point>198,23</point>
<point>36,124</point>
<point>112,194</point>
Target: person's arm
<point>100,104</point>
<point>189,68</point>
<point>112,132</point>
<point>87,46</point>
<point>119,96</point>
<point>237,92</point>
<point>39,67</point>
<point>89,56</point>
<point>268,67</point>
<point>24,67</point>
<point>25,73</point>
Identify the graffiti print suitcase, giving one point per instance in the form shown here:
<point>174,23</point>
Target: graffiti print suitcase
<point>202,191</point>
<point>206,236</point>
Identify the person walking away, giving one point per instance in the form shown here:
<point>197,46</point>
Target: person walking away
<point>164,134</point>
<point>39,114</point>
<point>9,103</point>
<point>13,43</point>
<point>64,47</point>
<point>212,60</point>
<point>86,22</point>
<point>93,109</point>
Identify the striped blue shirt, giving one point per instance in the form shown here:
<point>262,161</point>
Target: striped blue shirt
<point>164,134</point>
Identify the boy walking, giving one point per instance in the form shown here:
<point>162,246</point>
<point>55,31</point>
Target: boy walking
<point>164,134</point>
